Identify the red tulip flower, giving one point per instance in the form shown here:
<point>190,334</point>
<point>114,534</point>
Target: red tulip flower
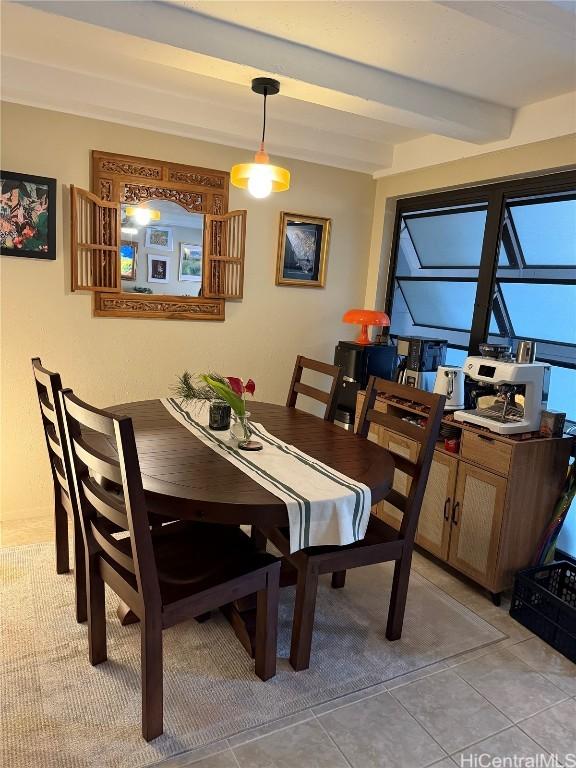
<point>236,385</point>
<point>239,388</point>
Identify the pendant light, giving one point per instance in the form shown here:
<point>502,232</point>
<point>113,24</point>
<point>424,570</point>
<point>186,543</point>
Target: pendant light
<point>260,178</point>
<point>142,215</point>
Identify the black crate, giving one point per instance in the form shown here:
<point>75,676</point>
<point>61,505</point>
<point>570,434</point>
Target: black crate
<point>544,601</point>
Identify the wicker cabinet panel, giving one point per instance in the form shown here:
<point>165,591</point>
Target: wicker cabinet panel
<point>433,532</point>
<point>476,521</point>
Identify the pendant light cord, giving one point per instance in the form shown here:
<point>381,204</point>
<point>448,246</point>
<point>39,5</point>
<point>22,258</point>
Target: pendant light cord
<point>264,121</point>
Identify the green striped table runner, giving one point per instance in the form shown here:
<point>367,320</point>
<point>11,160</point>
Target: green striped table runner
<point>324,506</point>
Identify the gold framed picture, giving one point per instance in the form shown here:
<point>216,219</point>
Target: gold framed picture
<point>302,250</point>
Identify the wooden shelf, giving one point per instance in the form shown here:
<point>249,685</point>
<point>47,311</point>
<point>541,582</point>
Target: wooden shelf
<point>486,506</point>
<point>448,419</point>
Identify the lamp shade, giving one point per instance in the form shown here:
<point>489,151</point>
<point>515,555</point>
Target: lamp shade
<point>364,318</point>
<point>260,177</point>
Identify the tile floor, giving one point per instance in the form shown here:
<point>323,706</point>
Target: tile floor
<point>516,698</point>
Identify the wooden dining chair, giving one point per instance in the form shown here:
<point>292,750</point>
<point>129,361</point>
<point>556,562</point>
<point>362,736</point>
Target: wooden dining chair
<point>48,385</point>
<point>166,574</point>
<point>381,543</point>
<point>330,399</point>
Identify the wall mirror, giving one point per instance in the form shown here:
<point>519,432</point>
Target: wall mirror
<point>156,239</point>
<point>161,249</point>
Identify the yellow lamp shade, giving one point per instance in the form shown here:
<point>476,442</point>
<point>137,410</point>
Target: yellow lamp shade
<point>142,214</point>
<point>260,177</point>
<point>280,177</point>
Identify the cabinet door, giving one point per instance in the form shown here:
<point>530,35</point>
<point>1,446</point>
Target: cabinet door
<point>433,532</point>
<point>476,521</point>
<point>404,447</point>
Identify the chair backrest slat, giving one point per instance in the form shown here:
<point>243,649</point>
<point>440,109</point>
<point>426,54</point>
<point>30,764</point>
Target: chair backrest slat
<point>314,392</point>
<point>395,424</point>
<point>110,545</point>
<point>396,498</point>
<point>96,461</point>
<point>403,464</point>
<point>424,438</point>
<point>105,503</point>
<point>87,427</point>
<point>54,442</point>
<point>90,417</point>
<point>330,399</point>
<point>59,472</point>
<point>47,409</point>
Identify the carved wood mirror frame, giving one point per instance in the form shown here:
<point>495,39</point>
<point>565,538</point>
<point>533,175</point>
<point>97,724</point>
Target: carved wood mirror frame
<point>127,179</point>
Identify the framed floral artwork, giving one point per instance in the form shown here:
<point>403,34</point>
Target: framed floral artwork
<point>27,216</point>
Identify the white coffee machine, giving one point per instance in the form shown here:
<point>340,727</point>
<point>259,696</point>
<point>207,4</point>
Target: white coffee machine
<point>450,383</point>
<point>521,395</point>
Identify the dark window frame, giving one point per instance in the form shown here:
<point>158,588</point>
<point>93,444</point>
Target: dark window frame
<point>495,195</point>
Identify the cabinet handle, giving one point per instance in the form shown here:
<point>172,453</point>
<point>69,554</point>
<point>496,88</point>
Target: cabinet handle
<point>446,507</point>
<point>486,438</point>
<point>454,510</point>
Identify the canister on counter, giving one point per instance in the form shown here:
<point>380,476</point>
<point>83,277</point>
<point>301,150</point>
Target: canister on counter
<point>552,423</point>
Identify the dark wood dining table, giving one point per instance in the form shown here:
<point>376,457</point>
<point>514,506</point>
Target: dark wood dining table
<point>187,480</point>
<point>184,478</point>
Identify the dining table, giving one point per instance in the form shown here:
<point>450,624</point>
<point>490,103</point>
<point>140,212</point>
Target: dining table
<point>185,479</point>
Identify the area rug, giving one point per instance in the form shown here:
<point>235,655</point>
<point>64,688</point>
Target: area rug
<point>56,711</point>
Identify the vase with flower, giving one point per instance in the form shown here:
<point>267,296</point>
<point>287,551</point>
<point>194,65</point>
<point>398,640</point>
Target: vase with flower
<point>230,390</point>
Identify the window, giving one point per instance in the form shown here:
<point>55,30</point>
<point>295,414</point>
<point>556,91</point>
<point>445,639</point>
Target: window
<point>496,262</point>
<point>438,258</point>
<point>535,287</point>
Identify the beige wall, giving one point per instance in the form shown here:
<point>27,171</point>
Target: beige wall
<point>114,360</point>
<point>555,154</point>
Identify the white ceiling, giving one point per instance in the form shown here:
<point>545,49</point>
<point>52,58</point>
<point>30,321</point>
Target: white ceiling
<point>358,78</point>
<point>456,45</point>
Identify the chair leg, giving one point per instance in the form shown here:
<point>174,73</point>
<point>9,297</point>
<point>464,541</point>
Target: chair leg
<point>96,612</point>
<point>152,682</point>
<point>61,534</point>
<point>338,579</point>
<point>80,574</point>
<point>303,623</point>
<point>258,539</point>
<point>267,626</point>
<point>398,596</point>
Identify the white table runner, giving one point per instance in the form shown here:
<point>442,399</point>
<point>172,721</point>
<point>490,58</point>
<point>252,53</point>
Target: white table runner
<point>324,506</point>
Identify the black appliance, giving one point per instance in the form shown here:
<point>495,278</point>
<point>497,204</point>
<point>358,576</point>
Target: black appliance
<point>419,358</point>
<point>358,363</point>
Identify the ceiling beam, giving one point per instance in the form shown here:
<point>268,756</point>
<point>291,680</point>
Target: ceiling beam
<point>84,93</point>
<point>226,51</point>
<point>541,23</point>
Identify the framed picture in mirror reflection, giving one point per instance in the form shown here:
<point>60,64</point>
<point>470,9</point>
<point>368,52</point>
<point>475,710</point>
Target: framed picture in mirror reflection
<point>128,260</point>
<point>190,265</point>
<point>158,268</point>
<point>159,238</point>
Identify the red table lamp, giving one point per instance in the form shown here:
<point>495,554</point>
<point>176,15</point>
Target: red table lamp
<point>365,317</point>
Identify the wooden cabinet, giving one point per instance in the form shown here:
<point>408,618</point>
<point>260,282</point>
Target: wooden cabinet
<point>484,508</point>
